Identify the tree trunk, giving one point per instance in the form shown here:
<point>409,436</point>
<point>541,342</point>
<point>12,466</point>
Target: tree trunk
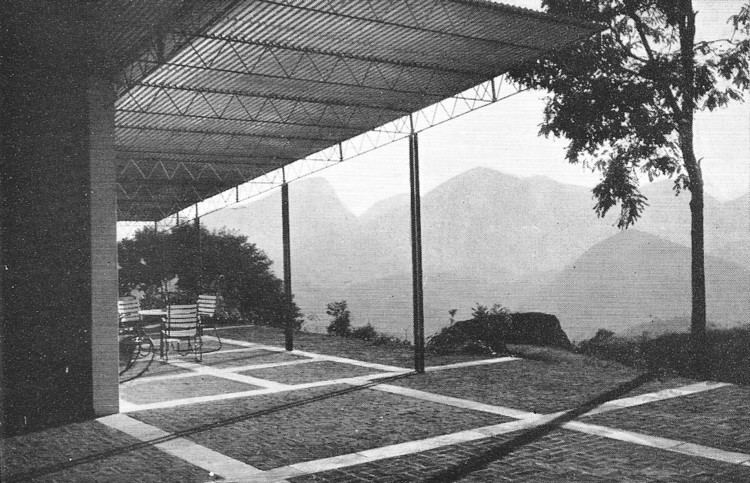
<point>698,277</point>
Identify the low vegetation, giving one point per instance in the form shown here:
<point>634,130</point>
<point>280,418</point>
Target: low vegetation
<point>186,261</point>
<point>492,331</point>
<point>341,326</point>
<point>728,353</point>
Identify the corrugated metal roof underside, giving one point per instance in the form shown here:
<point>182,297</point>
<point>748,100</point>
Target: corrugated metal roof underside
<point>238,89</point>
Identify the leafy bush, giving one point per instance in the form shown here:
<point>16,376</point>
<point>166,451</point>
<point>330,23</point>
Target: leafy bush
<point>382,339</point>
<point>366,332</point>
<point>341,326</point>
<point>225,263</point>
<point>728,353</point>
<point>341,323</point>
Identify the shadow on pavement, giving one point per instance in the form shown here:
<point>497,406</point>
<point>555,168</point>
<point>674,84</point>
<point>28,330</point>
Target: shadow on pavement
<point>46,470</point>
<point>494,453</point>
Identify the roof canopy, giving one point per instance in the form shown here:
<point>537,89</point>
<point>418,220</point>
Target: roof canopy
<point>219,93</point>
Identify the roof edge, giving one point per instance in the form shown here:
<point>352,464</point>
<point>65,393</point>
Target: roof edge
<point>503,7</point>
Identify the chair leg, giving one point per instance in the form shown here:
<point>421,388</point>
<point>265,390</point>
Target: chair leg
<point>216,334</point>
<point>198,348</point>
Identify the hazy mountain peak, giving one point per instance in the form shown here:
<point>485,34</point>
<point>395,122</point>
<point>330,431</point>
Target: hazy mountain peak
<point>631,237</point>
<point>385,206</point>
<point>481,173</point>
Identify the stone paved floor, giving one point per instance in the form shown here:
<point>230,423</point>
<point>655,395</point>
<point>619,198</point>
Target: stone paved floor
<point>345,410</point>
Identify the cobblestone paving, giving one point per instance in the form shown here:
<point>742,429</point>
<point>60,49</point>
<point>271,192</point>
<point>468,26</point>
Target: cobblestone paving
<point>311,372</point>
<point>559,456</point>
<point>275,430</point>
<point>165,390</point>
<point>156,368</point>
<point>535,386</point>
<point>245,358</point>
<point>396,355</point>
<point>47,450</point>
<point>718,418</point>
<point>360,420</point>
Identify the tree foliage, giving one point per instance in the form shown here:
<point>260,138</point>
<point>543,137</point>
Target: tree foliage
<point>340,319</point>
<point>222,263</point>
<point>625,98</point>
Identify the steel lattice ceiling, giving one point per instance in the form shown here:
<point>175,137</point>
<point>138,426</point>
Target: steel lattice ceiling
<point>217,93</point>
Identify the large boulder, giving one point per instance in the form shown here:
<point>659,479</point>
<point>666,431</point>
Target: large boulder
<point>535,328</point>
<point>473,336</point>
<point>489,334</point>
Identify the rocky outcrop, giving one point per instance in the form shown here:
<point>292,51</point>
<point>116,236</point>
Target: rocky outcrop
<point>535,328</point>
<point>490,333</point>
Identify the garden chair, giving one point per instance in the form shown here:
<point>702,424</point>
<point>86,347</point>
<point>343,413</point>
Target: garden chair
<point>129,313</point>
<point>134,342</point>
<point>181,326</point>
<point>206,310</point>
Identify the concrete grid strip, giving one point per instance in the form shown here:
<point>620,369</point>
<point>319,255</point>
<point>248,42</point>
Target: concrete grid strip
<point>211,461</point>
<point>224,374</point>
<point>392,451</point>
<point>128,407</point>
<point>196,372</point>
<point>674,445</point>
<point>324,357</point>
<point>525,420</point>
<point>372,365</point>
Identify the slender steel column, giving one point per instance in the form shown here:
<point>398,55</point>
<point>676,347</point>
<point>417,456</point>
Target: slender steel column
<point>288,328</point>
<point>416,253</point>
<point>200,249</point>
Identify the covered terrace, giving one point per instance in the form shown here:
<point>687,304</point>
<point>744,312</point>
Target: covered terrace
<point>166,111</point>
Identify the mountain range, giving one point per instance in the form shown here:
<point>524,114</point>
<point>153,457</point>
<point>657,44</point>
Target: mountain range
<point>488,237</point>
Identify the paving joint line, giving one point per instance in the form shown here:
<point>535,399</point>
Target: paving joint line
<point>211,371</point>
<point>129,407</point>
<point>524,420</point>
<point>212,461</point>
<point>231,369</point>
<point>374,365</point>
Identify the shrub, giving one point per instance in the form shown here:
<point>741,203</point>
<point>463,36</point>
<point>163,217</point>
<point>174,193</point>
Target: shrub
<point>152,262</point>
<point>728,353</point>
<point>341,323</point>
<point>365,333</point>
<point>382,339</point>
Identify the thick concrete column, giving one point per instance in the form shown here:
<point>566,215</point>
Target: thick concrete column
<point>58,333</point>
<point>103,215</point>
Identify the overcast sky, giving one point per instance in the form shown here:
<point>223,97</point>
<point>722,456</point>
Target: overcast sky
<point>504,137</point>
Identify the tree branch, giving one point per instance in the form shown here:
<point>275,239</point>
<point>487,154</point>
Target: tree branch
<point>671,99</point>
<point>627,48</point>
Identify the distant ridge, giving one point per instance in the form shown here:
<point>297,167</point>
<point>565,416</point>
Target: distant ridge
<point>488,237</point>
<point>635,277</point>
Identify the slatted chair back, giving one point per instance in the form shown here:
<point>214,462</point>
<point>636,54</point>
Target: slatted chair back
<point>182,321</point>
<point>207,305</point>
<point>206,310</point>
<point>128,310</point>
<point>182,325</point>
